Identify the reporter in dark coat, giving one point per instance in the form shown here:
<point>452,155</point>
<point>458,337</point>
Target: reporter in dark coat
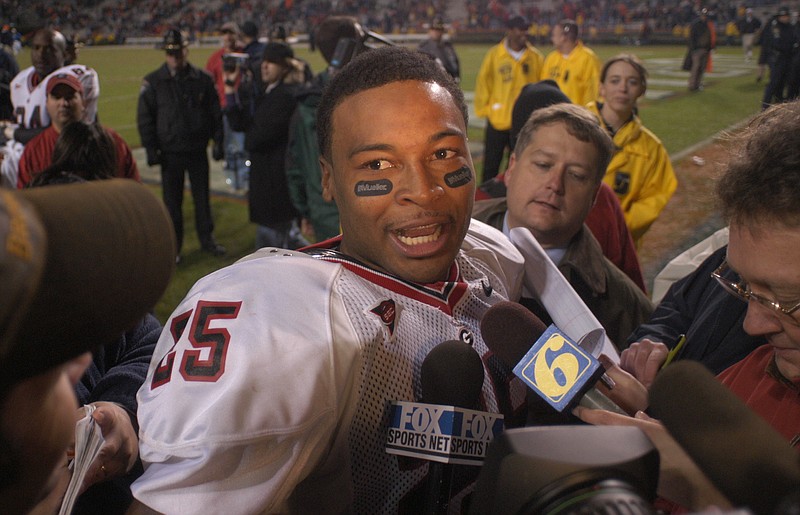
<point>266,139</point>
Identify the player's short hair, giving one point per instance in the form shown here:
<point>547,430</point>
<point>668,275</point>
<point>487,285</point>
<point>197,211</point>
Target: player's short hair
<point>570,29</point>
<point>579,122</point>
<point>376,68</point>
<point>761,182</point>
<point>632,60</point>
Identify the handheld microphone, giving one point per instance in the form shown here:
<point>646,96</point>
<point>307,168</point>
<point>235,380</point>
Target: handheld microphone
<point>557,369</point>
<point>747,460</point>
<point>444,429</point>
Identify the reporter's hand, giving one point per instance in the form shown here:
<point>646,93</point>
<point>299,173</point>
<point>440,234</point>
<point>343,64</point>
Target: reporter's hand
<point>121,448</point>
<point>644,359</point>
<point>628,393</point>
<point>680,480</point>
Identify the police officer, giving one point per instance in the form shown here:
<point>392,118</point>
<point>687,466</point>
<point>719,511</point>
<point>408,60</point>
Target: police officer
<point>178,113</point>
<point>780,42</point>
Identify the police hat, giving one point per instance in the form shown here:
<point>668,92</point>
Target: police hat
<point>174,40</point>
<point>783,11</point>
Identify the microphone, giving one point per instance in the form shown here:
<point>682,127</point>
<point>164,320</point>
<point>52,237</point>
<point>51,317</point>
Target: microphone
<point>444,429</point>
<point>557,369</point>
<point>745,458</point>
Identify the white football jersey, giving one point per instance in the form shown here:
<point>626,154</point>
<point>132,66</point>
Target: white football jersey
<point>30,100</point>
<point>269,386</point>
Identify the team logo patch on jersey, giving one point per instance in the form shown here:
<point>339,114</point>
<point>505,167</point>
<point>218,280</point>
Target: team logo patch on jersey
<point>622,183</point>
<point>387,312</point>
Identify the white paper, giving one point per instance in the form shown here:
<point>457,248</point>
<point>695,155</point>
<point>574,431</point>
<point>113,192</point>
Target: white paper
<point>551,289</point>
<point>88,440</point>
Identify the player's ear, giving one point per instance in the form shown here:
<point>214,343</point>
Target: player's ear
<point>327,180</point>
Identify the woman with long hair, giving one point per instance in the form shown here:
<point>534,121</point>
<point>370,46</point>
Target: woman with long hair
<point>640,173</point>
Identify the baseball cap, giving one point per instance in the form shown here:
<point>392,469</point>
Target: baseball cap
<point>518,22</point>
<point>783,11</point>
<point>64,78</point>
<point>230,26</point>
<point>79,264</point>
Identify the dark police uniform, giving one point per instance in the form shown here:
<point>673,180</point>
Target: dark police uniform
<point>178,112</point>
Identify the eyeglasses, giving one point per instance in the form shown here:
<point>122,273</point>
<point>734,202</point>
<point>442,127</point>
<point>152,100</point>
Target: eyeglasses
<point>742,290</point>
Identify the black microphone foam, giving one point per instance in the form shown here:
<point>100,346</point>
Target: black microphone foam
<point>509,329</point>
<point>452,375</point>
<point>747,460</point>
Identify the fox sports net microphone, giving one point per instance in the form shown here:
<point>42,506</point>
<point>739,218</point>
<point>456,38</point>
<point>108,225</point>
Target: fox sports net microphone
<point>747,460</point>
<point>546,360</point>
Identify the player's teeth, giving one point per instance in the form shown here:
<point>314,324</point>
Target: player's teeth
<point>418,240</point>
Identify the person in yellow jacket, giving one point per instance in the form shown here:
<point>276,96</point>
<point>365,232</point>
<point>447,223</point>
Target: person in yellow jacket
<point>506,69</point>
<point>574,66</point>
<point>640,173</point>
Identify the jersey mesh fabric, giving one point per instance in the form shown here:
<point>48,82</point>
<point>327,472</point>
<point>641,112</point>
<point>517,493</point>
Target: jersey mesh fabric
<point>391,371</point>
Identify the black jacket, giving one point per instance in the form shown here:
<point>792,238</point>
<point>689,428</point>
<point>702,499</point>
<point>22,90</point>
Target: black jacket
<point>710,317</point>
<point>178,113</point>
<point>266,139</point>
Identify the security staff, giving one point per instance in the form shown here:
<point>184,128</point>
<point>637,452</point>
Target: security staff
<point>178,113</point>
<point>780,42</point>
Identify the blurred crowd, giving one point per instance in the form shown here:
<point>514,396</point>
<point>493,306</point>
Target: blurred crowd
<point>112,21</point>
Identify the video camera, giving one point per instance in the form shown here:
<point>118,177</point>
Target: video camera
<point>232,60</point>
<point>348,48</point>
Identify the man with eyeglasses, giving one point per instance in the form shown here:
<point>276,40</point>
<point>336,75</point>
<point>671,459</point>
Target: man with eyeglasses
<point>758,194</point>
<point>699,313</point>
<point>753,284</point>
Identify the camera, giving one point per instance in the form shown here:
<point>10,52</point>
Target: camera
<point>568,470</point>
<point>232,60</point>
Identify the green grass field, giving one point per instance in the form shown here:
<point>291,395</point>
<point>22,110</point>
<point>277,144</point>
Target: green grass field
<point>679,118</point>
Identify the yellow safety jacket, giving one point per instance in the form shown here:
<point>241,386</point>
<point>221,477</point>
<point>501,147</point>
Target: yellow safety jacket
<point>640,173</point>
<point>577,74</point>
<point>500,80</point>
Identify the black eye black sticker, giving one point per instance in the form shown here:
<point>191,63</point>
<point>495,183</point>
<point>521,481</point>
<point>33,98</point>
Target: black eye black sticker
<point>373,188</point>
<point>460,177</point>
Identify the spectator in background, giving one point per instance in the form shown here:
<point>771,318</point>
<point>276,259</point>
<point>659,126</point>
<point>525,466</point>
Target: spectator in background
<point>748,27</point>
<point>320,217</point>
<point>236,167</point>
<point>8,70</point>
<point>72,50</point>
<point>266,138</point>
<point>29,96</point>
<point>606,219</point>
<point>505,70</point>
<point>255,49</point>
<point>779,42</point>
<point>177,114</point>
<point>48,55</point>
<point>65,106</point>
<point>83,150</point>
<point>442,49</point>
<point>552,181</point>
<point>640,173</point>
<point>701,42</point>
<point>574,66</point>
